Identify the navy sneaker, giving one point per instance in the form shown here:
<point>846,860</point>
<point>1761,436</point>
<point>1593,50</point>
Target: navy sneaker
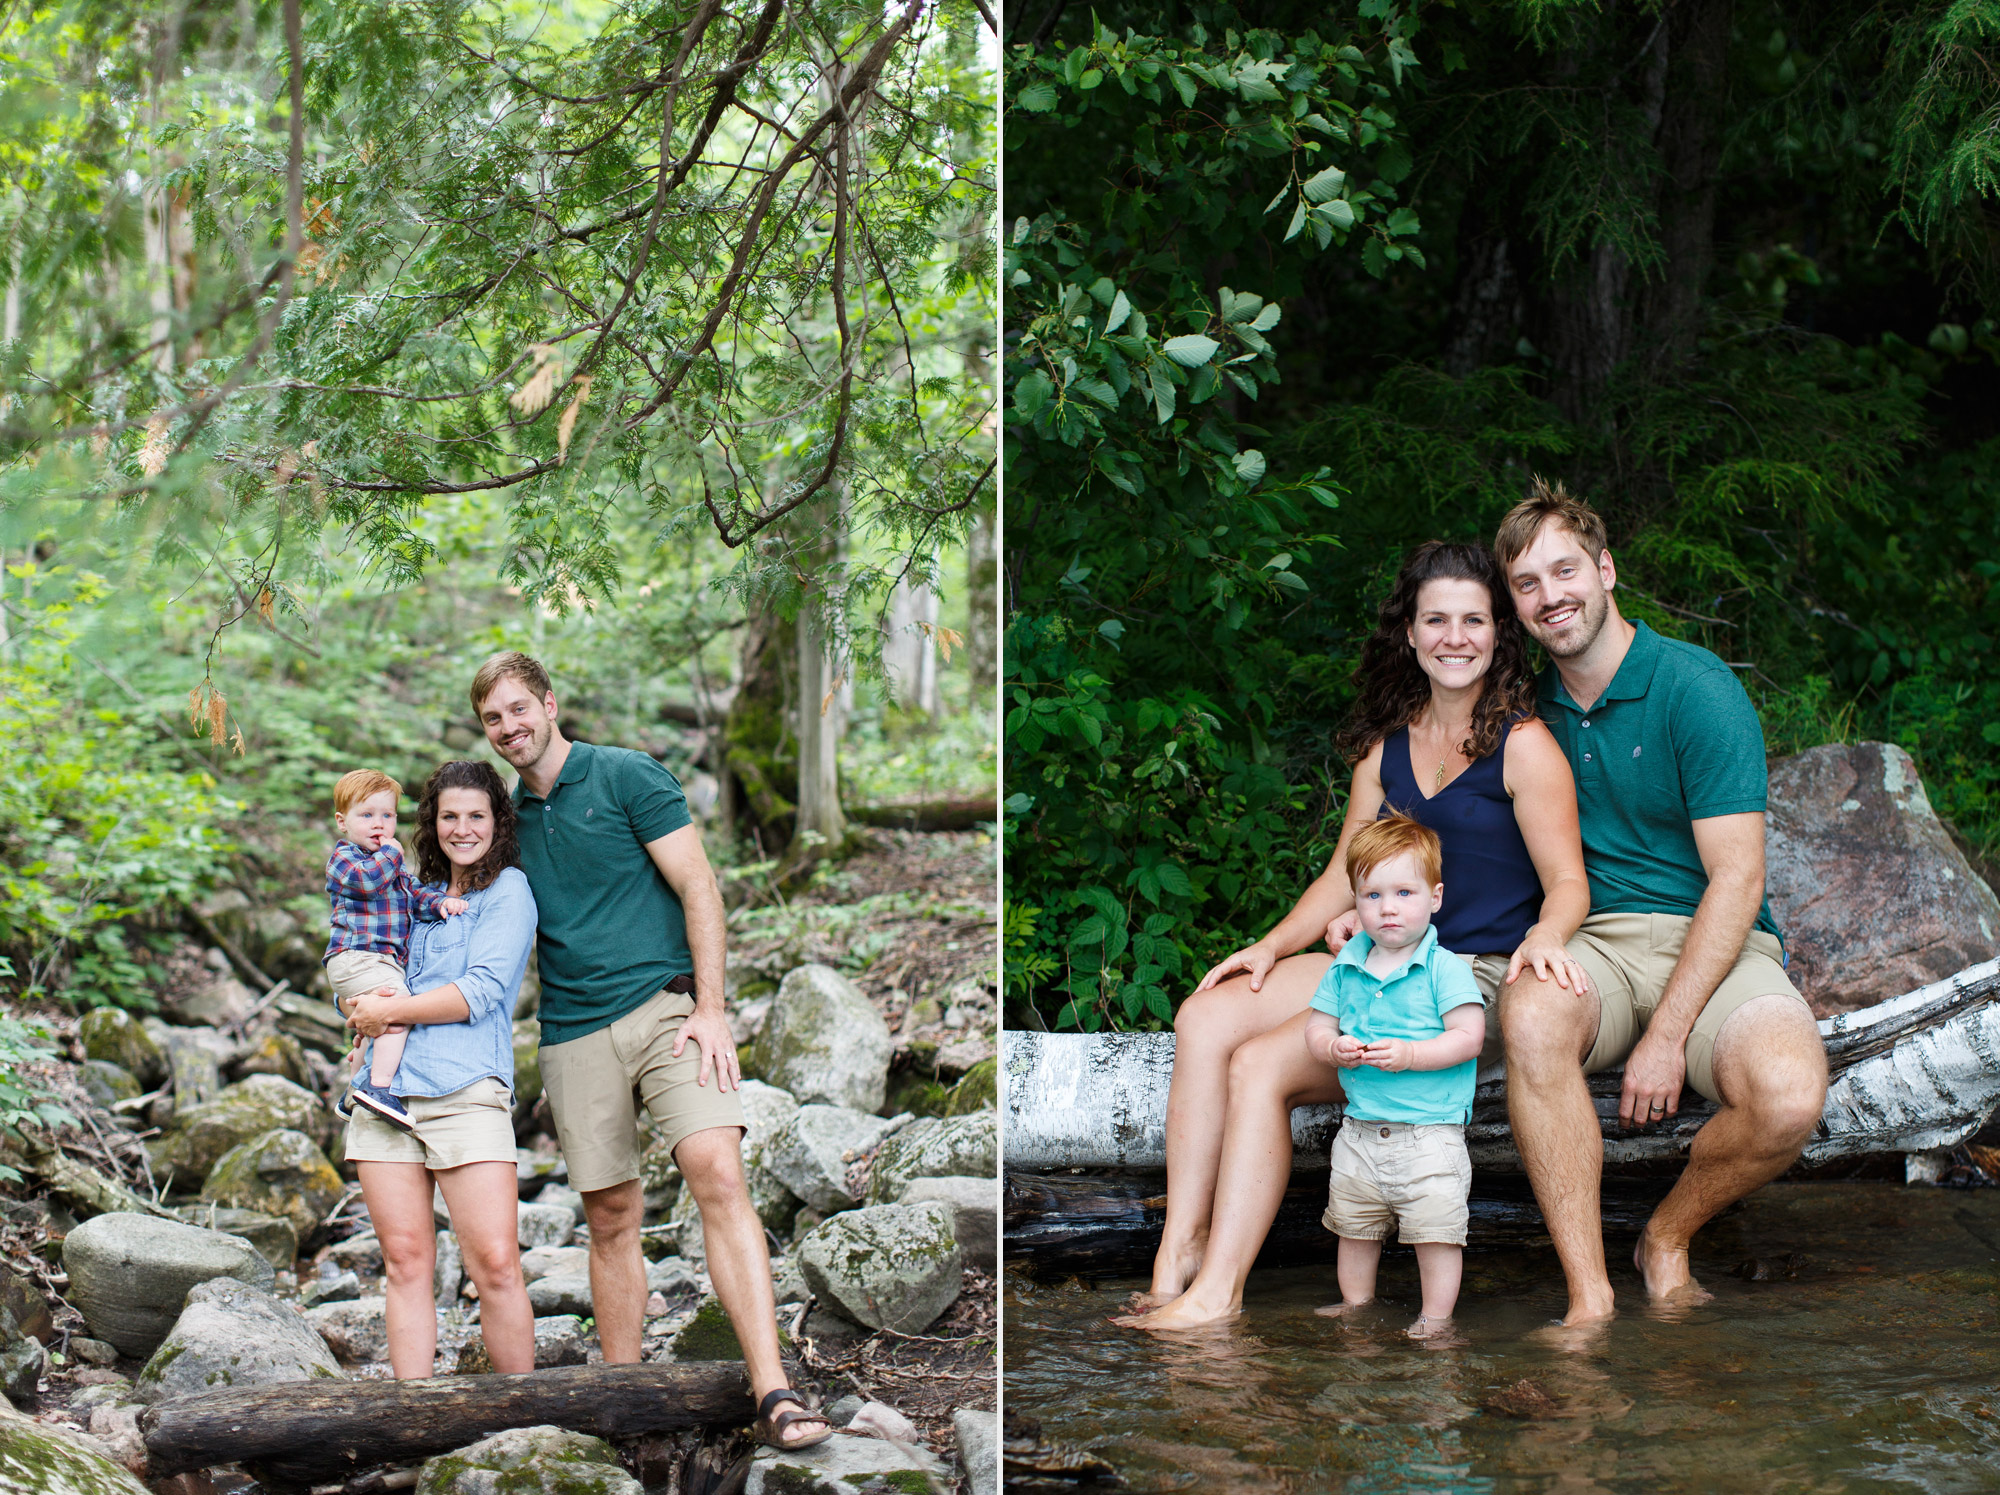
<point>361,1092</point>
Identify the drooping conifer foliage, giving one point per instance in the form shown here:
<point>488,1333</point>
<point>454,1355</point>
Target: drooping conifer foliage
<point>1289,289</point>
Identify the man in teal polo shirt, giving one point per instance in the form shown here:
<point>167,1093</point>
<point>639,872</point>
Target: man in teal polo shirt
<point>630,945</point>
<point>1687,981</point>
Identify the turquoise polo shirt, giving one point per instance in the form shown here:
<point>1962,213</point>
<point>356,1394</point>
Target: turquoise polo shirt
<point>1673,739</point>
<point>1410,1003</point>
<point>612,932</point>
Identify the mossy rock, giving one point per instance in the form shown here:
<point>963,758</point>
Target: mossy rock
<point>277,1054</point>
<point>977,1090</point>
<point>710,1336</point>
<point>44,1460</point>
<point>529,1461</point>
<point>916,1092</point>
<point>107,1083</point>
<point>201,1134</point>
<point>115,1036</point>
<point>281,1172</point>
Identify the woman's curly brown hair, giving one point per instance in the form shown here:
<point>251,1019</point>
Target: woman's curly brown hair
<point>1392,689</point>
<point>432,864</point>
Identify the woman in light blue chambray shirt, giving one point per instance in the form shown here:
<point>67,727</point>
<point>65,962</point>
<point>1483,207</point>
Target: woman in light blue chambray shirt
<point>456,1078</point>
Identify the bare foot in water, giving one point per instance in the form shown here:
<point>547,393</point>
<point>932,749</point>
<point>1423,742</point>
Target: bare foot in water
<point>1572,1338</point>
<point>1434,1331</point>
<point>1666,1273</point>
<point>1171,1276</point>
<point>1182,1313</point>
<point>1342,1310</point>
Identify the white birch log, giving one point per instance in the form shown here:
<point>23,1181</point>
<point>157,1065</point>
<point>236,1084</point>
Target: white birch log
<point>1916,1072</point>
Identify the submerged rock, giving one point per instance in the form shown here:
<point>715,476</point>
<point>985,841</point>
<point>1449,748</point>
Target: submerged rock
<point>889,1266</point>
<point>280,1172</point>
<point>824,1041</point>
<point>129,1274</point>
<point>933,1147</point>
<point>232,1335</point>
<point>529,1461</point>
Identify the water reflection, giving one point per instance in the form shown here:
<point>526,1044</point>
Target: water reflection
<point>1871,1366</point>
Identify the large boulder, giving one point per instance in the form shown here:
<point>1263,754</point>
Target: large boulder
<point>356,1330</point>
<point>273,1235</point>
<point>117,1037</point>
<point>202,1134</point>
<point>811,1154</point>
<point>889,1266</point>
<point>232,1335</point>
<point>975,1214</point>
<point>218,1001</point>
<point>529,1461</point>
<point>936,1147</point>
<point>36,1459</point>
<point>824,1041</point>
<point>129,1274</point>
<point>845,1464</point>
<point>1872,895</point>
<point>281,1172</point>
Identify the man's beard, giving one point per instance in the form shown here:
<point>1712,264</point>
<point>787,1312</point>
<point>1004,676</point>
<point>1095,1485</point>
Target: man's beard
<point>530,752</point>
<point>1593,610</point>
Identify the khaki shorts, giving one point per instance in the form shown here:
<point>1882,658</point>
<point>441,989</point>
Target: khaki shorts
<point>1489,974</point>
<point>353,972</point>
<point>1629,958</point>
<point>596,1084</point>
<point>1414,1177</point>
<point>473,1125</point>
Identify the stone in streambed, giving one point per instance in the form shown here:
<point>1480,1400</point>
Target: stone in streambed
<point>280,1172</point>
<point>569,1293</point>
<point>529,1461</point>
<point>107,1083</point>
<point>555,1261</point>
<point>275,1236</point>
<point>978,1436</point>
<point>36,1459</point>
<point>232,1336</point>
<point>130,1274</point>
<point>975,1214</point>
<point>202,1134</point>
<point>824,1041</point>
<point>845,1464</point>
<point>356,1331</point>
<point>277,1054</point>
<point>810,1155</point>
<point>116,1037</point>
<point>935,1147</point>
<point>544,1225</point>
<point>889,1266</point>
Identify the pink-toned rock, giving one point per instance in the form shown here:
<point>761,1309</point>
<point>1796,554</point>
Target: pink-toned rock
<point>1872,895</point>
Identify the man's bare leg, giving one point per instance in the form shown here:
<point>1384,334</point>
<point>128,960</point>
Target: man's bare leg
<point>1770,1066</point>
<point>1268,1076</point>
<point>1548,1030</point>
<point>617,1270</point>
<point>1208,1029</point>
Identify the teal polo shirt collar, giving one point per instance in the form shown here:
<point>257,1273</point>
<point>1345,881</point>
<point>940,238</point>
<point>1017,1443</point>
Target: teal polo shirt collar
<point>1633,678</point>
<point>575,769</point>
<point>1356,951</point>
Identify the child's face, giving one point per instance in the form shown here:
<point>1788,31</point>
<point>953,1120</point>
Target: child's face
<point>369,822</point>
<point>1395,903</point>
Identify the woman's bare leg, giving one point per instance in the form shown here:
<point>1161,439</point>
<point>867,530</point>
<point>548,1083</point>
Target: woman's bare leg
<point>1208,1030</point>
<point>399,1206</point>
<point>484,1200</point>
<point>1267,1076</point>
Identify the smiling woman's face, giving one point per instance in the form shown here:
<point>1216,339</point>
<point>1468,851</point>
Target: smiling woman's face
<point>1453,632</point>
<point>464,826</point>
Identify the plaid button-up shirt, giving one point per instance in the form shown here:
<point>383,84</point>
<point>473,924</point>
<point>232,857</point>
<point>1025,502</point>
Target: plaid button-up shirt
<point>374,897</point>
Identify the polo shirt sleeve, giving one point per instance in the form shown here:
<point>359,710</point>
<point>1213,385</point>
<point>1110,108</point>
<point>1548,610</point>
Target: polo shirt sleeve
<point>1452,983</point>
<point>652,797</point>
<point>1326,996</point>
<point>501,940</point>
<point>1719,746</point>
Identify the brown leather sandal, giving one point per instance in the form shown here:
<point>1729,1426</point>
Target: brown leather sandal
<point>771,1424</point>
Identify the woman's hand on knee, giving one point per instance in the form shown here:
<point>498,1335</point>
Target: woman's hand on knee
<point>1254,961</point>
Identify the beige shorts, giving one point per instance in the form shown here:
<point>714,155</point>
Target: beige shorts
<point>1629,958</point>
<point>596,1084</point>
<point>1414,1177</point>
<point>472,1125</point>
<point>353,972</point>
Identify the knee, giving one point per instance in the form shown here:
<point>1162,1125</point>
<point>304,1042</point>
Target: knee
<point>408,1257</point>
<point>1541,1023</point>
<point>1199,1019</point>
<point>495,1265</point>
<point>614,1213</point>
<point>713,1168</point>
<point>1787,1106</point>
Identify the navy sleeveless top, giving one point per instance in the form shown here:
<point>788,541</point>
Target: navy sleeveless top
<point>1492,893</point>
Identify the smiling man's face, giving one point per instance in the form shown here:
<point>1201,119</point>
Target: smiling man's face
<point>1562,595</point>
<point>518,723</point>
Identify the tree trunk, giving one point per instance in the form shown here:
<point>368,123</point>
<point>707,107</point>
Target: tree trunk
<point>312,1432</point>
<point>821,828</point>
<point>1690,145</point>
<point>758,745</point>
<point>909,653</point>
<point>982,590</point>
<point>960,813</point>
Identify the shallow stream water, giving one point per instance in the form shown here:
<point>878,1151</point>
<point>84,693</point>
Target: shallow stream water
<point>1875,1366</point>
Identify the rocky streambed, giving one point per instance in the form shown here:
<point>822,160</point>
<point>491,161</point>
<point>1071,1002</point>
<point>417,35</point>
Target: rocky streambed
<point>197,1229</point>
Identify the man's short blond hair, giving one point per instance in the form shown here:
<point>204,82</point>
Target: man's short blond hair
<point>1546,501</point>
<point>363,783</point>
<point>1388,838</point>
<point>512,665</point>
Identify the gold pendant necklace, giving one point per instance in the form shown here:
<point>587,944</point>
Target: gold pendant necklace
<point>1440,773</point>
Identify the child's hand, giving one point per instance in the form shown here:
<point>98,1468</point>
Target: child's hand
<point>1391,1054</point>
<point>1348,1051</point>
<point>451,906</point>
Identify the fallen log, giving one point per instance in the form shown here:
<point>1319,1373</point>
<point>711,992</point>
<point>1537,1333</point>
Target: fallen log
<point>1108,1224</point>
<point>1917,1072</point>
<point>316,1432</point>
<point>959,813</point>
